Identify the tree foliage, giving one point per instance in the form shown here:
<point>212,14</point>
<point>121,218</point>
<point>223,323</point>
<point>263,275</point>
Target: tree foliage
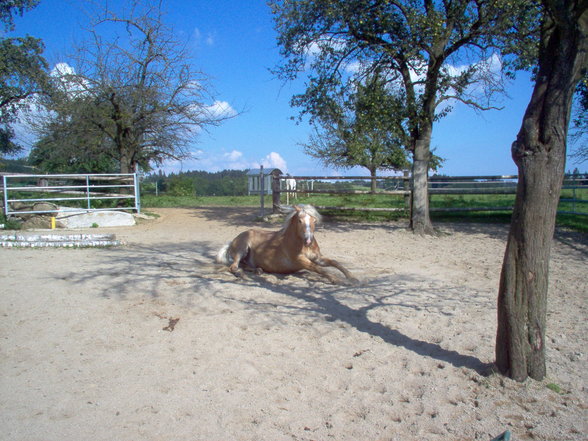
<point>361,129</point>
<point>201,183</point>
<point>70,144</point>
<point>9,8</point>
<point>22,73</point>
<point>136,95</point>
<point>580,122</point>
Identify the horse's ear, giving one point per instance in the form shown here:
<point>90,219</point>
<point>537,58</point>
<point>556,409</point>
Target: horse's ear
<point>297,208</point>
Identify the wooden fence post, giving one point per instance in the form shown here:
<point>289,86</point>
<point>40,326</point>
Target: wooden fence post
<point>261,192</point>
<point>407,188</point>
<point>276,193</point>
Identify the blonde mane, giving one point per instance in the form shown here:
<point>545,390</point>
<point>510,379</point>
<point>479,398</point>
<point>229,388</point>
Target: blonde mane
<point>303,209</point>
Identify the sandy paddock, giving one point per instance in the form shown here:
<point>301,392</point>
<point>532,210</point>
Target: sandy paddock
<point>150,341</point>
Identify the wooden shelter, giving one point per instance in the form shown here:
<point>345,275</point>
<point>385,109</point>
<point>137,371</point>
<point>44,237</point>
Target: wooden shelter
<point>254,179</point>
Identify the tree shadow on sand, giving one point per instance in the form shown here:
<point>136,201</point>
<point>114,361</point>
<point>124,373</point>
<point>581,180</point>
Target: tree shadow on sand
<point>147,271</point>
<point>323,302</point>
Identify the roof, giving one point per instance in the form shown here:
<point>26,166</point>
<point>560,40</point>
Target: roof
<point>266,171</point>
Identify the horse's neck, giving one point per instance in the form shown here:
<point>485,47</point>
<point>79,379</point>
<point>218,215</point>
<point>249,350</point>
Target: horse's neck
<point>290,235</point>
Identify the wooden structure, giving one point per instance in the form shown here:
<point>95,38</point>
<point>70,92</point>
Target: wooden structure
<point>259,179</point>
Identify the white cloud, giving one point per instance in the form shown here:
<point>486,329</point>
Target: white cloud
<point>62,69</point>
<point>69,80</point>
<point>198,38</point>
<point>274,160</point>
<point>220,110</point>
<point>492,64</point>
<point>233,155</point>
<point>211,161</point>
<point>214,161</point>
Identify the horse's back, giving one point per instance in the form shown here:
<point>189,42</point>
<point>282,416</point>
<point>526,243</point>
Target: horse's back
<point>252,238</point>
<point>264,249</point>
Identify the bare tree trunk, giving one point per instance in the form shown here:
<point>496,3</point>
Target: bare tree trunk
<point>539,152</point>
<point>125,162</point>
<point>420,220</point>
<point>373,184</point>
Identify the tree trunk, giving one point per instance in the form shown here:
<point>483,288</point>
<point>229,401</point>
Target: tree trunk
<point>373,186</point>
<point>420,220</point>
<point>125,162</point>
<point>539,152</point>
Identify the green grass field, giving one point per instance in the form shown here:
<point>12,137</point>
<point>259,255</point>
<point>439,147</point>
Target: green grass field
<point>442,202</point>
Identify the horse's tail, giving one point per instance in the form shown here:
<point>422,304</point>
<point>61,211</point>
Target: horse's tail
<point>223,254</point>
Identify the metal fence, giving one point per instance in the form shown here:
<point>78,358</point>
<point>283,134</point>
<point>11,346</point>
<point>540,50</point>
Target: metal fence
<point>77,192</point>
<point>574,190</point>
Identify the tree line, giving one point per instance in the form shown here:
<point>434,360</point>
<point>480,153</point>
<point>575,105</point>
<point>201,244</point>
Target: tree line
<point>197,183</point>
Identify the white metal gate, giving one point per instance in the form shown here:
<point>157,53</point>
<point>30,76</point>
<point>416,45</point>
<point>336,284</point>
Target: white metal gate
<point>86,192</point>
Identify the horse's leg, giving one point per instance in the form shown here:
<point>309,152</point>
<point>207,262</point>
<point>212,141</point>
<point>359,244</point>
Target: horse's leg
<point>325,261</point>
<point>251,268</point>
<point>234,267</point>
<point>309,265</point>
<point>236,255</point>
<point>243,262</point>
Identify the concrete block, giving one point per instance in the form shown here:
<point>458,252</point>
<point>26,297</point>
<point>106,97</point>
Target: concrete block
<point>99,218</point>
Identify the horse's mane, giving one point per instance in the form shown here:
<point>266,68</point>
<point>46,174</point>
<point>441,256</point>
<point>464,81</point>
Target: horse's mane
<point>304,208</point>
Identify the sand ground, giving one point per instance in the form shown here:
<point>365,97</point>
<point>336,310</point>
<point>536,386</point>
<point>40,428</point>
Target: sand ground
<point>151,341</point>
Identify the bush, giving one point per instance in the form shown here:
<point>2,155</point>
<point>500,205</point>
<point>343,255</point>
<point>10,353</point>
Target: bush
<point>180,186</point>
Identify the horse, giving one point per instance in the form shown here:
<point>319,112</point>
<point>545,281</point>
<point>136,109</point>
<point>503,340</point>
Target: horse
<point>291,188</point>
<point>286,251</point>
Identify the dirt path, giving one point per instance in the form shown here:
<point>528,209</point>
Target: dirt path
<point>150,341</point>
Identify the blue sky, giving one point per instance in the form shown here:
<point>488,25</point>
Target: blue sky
<point>234,42</point>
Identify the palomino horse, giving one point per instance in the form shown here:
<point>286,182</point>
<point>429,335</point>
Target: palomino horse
<point>286,251</point>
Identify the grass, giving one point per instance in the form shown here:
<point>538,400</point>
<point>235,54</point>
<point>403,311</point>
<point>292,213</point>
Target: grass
<point>165,201</point>
<point>576,222</point>
<point>9,224</point>
<point>555,388</point>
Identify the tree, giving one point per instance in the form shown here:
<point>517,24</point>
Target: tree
<point>539,153</point>
<point>580,122</point>
<point>68,140</point>
<point>412,42</point>
<point>69,144</point>
<point>8,8</point>
<point>363,130</point>
<point>22,73</point>
<point>142,101</point>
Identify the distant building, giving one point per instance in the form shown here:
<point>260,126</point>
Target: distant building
<point>254,183</point>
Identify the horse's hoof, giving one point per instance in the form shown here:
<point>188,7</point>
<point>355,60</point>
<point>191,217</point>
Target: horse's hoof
<point>238,273</point>
<point>351,281</point>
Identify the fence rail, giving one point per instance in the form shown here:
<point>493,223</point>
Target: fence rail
<point>577,185</point>
<point>86,192</point>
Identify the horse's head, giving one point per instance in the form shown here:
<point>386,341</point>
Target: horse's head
<point>306,217</point>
